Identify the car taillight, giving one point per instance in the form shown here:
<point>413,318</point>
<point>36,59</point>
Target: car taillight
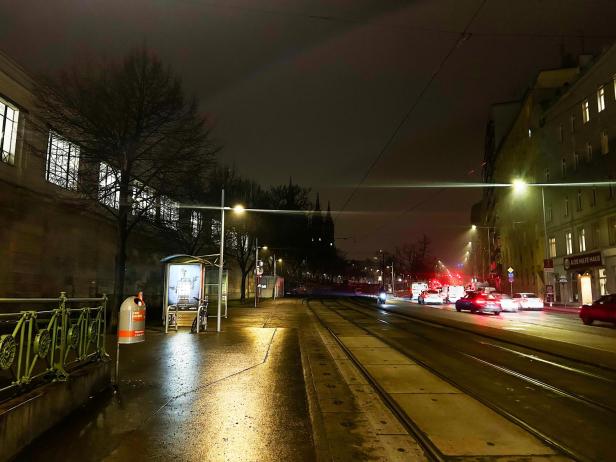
<point>481,301</point>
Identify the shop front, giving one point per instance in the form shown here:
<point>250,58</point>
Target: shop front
<point>580,278</point>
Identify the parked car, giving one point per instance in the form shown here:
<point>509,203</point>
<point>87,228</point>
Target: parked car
<point>603,309</point>
<point>479,302</point>
<point>507,303</point>
<point>430,297</point>
<point>528,301</point>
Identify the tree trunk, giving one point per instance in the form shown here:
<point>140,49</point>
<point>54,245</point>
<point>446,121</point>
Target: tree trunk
<point>120,271</point>
<point>120,259</point>
<point>243,287</point>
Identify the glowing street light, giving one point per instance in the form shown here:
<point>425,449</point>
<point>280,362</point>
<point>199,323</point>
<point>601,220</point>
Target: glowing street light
<point>474,228</point>
<point>519,186</point>
<point>239,209</point>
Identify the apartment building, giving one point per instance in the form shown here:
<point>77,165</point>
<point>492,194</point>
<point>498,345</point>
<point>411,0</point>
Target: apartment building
<point>580,151</point>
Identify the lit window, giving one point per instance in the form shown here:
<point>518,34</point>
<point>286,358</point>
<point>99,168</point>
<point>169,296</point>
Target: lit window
<point>566,206</point>
<point>530,133</point>
<point>605,147</point>
<point>169,212</point>
<point>552,247</point>
<point>588,152</point>
<point>601,98</point>
<point>9,117</point>
<point>109,185</point>
<point>585,111</point>
<point>144,199</point>
<point>579,200</point>
<point>569,241</point>
<point>62,166</point>
<point>196,223</point>
<point>582,239</point>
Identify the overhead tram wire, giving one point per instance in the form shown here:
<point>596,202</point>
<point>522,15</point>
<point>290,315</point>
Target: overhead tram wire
<point>413,207</point>
<point>362,22</point>
<point>464,35</point>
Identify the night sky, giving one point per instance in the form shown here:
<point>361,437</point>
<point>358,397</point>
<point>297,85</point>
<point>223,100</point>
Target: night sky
<point>314,89</point>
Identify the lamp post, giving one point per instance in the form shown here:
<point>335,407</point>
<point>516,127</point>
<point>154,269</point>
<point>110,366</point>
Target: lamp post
<point>519,186</point>
<point>256,267</point>
<point>239,209</point>
<point>274,288</point>
<point>222,256</point>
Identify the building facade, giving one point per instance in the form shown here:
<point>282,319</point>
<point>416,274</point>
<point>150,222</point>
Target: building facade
<point>52,239</point>
<point>558,234</point>
<point>579,131</point>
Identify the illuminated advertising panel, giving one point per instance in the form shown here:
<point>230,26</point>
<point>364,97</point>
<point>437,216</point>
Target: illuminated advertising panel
<point>184,285</point>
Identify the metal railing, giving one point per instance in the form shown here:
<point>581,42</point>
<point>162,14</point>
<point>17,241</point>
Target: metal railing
<point>50,342</point>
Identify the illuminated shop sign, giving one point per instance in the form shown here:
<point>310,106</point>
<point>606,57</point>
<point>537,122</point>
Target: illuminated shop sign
<point>583,261</point>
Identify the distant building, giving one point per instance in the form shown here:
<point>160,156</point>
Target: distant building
<point>322,239</point>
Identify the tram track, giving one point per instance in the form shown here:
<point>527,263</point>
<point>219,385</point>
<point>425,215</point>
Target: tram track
<point>610,381</point>
<point>573,403</point>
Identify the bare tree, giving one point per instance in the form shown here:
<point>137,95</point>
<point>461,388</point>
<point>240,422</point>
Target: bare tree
<point>137,137</point>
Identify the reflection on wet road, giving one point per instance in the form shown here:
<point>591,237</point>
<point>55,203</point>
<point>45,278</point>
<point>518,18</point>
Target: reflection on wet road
<point>238,395</point>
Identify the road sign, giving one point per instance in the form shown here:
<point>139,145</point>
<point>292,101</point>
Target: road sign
<point>510,270</point>
<point>510,277</point>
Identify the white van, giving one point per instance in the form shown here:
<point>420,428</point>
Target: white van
<point>417,288</point>
<point>454,293</point>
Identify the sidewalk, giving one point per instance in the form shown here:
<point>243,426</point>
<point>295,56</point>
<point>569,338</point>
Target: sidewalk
<point>265,389</point>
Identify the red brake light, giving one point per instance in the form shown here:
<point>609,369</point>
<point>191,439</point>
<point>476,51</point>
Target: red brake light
<point>481,300</point>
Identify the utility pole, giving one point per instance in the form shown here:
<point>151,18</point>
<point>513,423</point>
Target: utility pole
<point>393,288</point>
<point>222,257</point>
<point>274,288</point>
<point>256,268</point>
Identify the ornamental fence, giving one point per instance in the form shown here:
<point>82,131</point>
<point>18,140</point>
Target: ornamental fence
<point>45,339</point>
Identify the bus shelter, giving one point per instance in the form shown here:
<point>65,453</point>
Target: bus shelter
<point>191,281</point>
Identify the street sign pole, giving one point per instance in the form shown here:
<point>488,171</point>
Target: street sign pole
<point>511,277</point>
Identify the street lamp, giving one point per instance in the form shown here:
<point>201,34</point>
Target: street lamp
<point>519,186</point>
<point>239,209</point>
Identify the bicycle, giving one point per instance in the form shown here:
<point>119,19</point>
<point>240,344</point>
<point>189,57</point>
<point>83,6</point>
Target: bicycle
<point>201,316</point>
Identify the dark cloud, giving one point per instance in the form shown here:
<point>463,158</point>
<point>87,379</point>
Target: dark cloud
<point>313,89</point>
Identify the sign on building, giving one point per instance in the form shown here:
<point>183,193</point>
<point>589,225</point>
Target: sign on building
<point>583,261</point>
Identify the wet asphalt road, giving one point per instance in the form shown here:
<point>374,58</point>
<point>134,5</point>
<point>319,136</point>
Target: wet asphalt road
<point>234,396</point>
<point>568,401</point>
